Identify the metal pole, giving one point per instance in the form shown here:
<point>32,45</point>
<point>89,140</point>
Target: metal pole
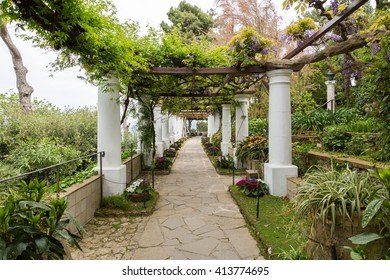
<point>101,178</point>
<point>258,199</point>
<point>131,164</point>
<point>58,182</point>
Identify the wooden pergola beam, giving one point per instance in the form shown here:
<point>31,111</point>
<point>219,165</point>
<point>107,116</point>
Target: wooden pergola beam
<point>328,26</point>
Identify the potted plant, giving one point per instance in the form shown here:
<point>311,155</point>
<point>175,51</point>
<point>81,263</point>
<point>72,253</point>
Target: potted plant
<point>162,163</point>
<point>138,190</point>
<point>249,187</point>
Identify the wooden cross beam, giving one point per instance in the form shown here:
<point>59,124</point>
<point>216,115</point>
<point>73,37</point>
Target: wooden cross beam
<point>328,26</point>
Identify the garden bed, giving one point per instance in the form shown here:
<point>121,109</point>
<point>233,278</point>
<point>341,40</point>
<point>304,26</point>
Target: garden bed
<point>273,230</point>
<point>119,206</point>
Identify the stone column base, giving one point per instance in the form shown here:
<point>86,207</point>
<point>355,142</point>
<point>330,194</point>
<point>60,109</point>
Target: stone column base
<point>159,149</point>
<point>114,180</point>
<point>225,148</point>
<point>276,175</point>
<point>166,143</point>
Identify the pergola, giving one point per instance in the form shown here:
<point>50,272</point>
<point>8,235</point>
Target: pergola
<point>279,166</point>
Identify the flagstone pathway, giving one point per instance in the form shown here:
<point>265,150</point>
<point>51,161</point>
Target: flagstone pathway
<point>195,219</point>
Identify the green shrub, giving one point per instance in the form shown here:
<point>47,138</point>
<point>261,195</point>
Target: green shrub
<point>216,140</point>
<point>257,126</point>
<point>40,153</point>
<point>31,227</point>
<point>253,147</point>
<point>315,121</point>
<point>335,139</point>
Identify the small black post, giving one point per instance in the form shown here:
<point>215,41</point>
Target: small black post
<point>233,169</point>
<point>131,164</point>
<point>144,183</point>
<point>101,155</point>
<point>153,174</point>
<point>258,199</point>
<point>58,182</point>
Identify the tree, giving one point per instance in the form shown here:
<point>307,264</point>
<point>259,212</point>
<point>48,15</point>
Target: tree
<point>24,89</point>
<point>237,14</point>
<point>190,20</point>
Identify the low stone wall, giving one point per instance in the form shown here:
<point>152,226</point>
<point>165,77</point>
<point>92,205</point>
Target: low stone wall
<point>292,186</point>
<point>84,199</point>
<point>133,167</point>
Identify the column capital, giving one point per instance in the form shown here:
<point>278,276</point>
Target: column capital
<point>332,82</point>
<point>242,97</point>
<point>225,106</point>
<point>157,108</point>
<point>279,76</point>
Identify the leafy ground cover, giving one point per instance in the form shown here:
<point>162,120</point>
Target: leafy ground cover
<point>278,234</point>
<point>119,205</point>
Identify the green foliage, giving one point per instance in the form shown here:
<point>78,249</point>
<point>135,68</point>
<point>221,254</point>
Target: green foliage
<point>251,186</point>
<point>317,120</point>
<point>163,163</point>
<point>335,139</point>
<point>253,147</point>
<point>216,139</point>
<point>77,177</point>
<point>191,21</point>
<point>257,126</point>
<point>31,228</point>
<point>298,28</point>
<point>248,46</point>
<point>303,102</point>
<point>201,126</point>
<point>169,153</point>
<point>71,127</point>
<point>327,194</point>
<point>40,153</point>
<point>272,229</point>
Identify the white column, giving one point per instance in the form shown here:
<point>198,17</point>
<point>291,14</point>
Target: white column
<point>171,121</point>
<point>241,123</point>
<point>109,139</point>
<point>217,122</point>
<point>210,126</point>
<point>158,131</point>
<point>226,129</point>
<point>280,156</point>
<point>165,130</point>
<point>241,117</point>
<point>330,94</point>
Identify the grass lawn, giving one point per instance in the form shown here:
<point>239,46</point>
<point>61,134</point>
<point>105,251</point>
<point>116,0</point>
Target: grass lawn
<point>275,229</point>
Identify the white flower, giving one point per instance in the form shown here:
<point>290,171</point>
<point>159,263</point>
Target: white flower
<point>134,186</point>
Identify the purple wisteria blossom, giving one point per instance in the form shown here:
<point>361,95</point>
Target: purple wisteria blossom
<point>265,51</point>
<point>309,32</point>
<point>375,48</point>
<point>388,57</point>
<point>273,48</point>
<point>335,37</point>
<point>335,6</point>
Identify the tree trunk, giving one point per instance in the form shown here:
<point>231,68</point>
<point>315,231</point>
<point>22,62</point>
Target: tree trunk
<point>25,90</point>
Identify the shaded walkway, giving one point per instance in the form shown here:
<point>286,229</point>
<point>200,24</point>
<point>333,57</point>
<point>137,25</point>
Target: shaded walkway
<point>195,218</point>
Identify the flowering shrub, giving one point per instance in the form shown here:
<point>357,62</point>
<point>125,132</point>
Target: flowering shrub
<point>253,147</point>
<point>249,187</point>
<point>163,163</point>
<point>137,186</point>
<point>223,162</point>
<point>213,150</point>
<point>170,153</point>
<point>248,43</point>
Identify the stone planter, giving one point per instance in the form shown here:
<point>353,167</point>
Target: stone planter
<point>139,197</point>
<point>321,247</point>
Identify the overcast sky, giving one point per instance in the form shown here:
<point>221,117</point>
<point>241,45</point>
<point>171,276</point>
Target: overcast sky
<point>64,89</point>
